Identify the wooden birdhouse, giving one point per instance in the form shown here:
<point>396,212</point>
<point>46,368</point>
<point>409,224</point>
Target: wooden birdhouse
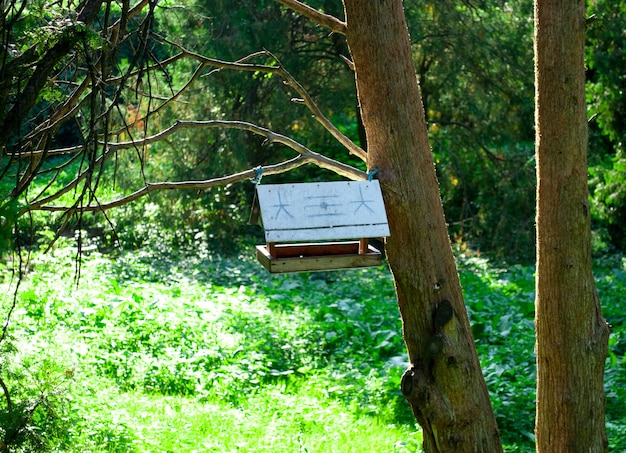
<point>321,226</point>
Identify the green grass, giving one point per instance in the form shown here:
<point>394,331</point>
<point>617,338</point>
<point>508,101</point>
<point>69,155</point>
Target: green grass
<point>183,352</point>
<point>270,420</point>
<point>192,355</point>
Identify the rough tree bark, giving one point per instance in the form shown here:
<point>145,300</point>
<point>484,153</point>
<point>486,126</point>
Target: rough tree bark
<point>571,332</point>
<point>444,386</point>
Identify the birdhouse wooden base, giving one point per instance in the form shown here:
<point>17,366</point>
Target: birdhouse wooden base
<point>282,258</point>
<point>295,215</point>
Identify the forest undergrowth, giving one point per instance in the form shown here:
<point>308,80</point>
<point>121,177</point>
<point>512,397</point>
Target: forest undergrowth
<point>186,351</point>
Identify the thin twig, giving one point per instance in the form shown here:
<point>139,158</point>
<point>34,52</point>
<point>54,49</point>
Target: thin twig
<point>7,396</point>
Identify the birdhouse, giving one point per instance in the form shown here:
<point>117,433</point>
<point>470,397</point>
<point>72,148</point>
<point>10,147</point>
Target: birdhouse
<point>321,226</point>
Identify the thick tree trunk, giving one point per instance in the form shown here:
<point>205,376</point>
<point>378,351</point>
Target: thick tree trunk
<point>571,332</point>
<point>444,386</point>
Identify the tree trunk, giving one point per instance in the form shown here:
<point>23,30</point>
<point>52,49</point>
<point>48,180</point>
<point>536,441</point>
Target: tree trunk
<point>571,332</point>
<point>444,386</point>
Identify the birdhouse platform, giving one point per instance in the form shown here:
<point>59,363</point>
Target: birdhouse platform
<point>321,226</point>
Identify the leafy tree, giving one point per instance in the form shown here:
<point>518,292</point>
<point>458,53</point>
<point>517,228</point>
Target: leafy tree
<point>479,110</point>
<point>605,54</point>
<point>605,94</point>
<point>119,89</point>
<point>436,324</point>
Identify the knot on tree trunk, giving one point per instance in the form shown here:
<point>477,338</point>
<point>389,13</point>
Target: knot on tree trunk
<point>414,386</point>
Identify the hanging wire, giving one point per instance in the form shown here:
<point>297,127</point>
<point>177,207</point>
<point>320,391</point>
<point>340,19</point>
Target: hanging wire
<point>259,174</point>
<point>371,174</point>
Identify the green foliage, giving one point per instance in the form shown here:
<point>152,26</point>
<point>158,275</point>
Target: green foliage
<point>476,81</point>
<point>8,218</point>
<point>605,96</point>
<point>34,410</point>
<point>208,345</point>
<point>609,201</point>
<point>477,87</point>
<point>501,308</point>
<point>178,324</point>
<point>204,332</point>
<point>611,282</point>
<point>605,55</point>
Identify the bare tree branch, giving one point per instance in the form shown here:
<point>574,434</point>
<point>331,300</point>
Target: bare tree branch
<point>306,156</point>
<point>242,65</point>
<point>187,185</point>
<point>274,169</point>
<point>319,116</point>
<point>290,81</point>
<point>325,20</point>
<point>36,204</point>
<point>28,96</point>
<point>73,103</point>
<point>272,137</point>
<point>77,98</point>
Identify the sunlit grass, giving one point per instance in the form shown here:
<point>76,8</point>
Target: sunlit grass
<point>269,420</point>
<point>172,362</point>
<point>155,353</point>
